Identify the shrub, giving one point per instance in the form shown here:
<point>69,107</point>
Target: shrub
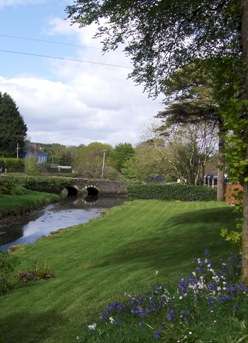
<point>49,184</point>
<point>10,279</point>
<point>171,192</point>
<point>38,272</point>
<point>13,165</point>
<point>10,187</point>
<point>31,166</point>
<point>7,279</point>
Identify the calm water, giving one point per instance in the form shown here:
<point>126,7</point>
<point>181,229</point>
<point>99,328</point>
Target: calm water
<point>53,218</point>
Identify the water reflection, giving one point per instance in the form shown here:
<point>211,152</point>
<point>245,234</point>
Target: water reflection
<point>53,218</point>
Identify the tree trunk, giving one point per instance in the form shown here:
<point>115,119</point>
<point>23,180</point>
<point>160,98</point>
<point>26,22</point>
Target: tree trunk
<point>221,163</point>
<point>244,43</point>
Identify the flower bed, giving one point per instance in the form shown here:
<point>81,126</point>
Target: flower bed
<point>209,303</point>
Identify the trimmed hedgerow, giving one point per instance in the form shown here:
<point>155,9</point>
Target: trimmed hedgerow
<point>40,183</point>
<point>171,192</point>
<point>10,187</point>
<point>47,184</point>
<point>12,165</point>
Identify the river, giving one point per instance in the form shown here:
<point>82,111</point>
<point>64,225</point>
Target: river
<point>53,218</point>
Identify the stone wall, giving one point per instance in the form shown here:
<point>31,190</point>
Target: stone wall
<point>106,188</point>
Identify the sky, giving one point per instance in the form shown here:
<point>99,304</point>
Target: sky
<point>63,101</point>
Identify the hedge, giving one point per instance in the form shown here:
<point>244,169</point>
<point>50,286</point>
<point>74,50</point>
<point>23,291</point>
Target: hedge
<point>171,192</point>
<point>12,165</point>
<point>39,183</point>
<point>10,187</point>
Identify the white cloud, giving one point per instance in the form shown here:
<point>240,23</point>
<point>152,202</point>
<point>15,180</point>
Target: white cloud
<point>88,102</point>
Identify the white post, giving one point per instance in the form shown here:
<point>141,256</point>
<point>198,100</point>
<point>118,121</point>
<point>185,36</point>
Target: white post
<point>103,163</point>
<point>17,150</point>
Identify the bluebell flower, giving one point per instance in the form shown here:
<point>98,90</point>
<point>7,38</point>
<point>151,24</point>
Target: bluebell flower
<point>224,298</point>
<point>139,311</point>
<point>170,316</point>
<point>211,300</point>
<point>157,334</point>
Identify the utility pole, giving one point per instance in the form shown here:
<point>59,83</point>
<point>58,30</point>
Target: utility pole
<point>103,163</point>
<point>17,150</point>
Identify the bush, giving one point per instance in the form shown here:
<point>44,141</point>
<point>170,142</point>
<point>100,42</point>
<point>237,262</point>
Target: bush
<point>6,273</point>
<point>38,272</point>
<point>171,192</point>
<point>10,279</point>
<point>48,184</point>
<point>9,186</point>
<point>31,166</point>
<point>13,165</point>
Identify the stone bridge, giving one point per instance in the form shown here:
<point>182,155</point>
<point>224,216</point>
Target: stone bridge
<point>96,187</point>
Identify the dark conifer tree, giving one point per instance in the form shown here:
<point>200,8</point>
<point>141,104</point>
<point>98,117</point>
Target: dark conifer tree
<point>12,127</point>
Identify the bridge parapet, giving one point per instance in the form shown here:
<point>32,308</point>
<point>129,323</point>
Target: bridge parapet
<point>105,188</point>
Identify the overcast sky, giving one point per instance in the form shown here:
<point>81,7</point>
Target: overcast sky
<point>62,101</point>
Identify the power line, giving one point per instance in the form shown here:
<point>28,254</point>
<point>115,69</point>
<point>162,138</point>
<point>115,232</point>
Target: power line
<point>14,52</point>
<point>40,40</point>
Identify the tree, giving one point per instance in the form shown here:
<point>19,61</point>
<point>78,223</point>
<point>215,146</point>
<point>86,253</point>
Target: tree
<point>191,99</point>
<point>162,36</point>
<point>150,159</point>
<point>121,154</point>
<point>88,161</point>
<point>13,129</point>
<point>190,147</point>
<point>31,166</point>
<point>58,153</point>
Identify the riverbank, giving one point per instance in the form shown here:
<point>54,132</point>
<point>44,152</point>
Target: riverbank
<point>131,247</point>
<point>13,206</point>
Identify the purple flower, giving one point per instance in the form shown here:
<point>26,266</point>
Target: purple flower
<point>183,286</point>
<point>157,334</point>
<point>170,315</point>
<point>139,311</point>
<point>224,298</point>
<point>211,300</point>
<point>212,286</point>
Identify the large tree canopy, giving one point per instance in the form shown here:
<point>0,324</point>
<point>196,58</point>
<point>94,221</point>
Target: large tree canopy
<point>162,35</point>
<point>13,129</point>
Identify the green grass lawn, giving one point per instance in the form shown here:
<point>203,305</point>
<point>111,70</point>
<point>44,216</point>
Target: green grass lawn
<point>97,262</point>
<point>19,204</point>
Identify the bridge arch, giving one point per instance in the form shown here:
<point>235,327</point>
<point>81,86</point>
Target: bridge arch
<point>71,191</point>
<point>92,191</point>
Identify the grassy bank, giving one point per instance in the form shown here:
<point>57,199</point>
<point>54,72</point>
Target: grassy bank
<point>14,205</point>
<point>96,263</point>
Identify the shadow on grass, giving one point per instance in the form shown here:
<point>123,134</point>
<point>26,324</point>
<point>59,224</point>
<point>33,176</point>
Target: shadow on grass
<point>178,241</point>
<point>219,216</point>
<point>28,328</point>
